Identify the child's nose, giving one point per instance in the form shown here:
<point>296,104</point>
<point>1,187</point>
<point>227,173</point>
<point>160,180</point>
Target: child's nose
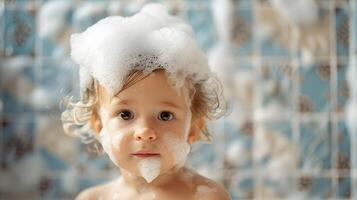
<point>145,133</point>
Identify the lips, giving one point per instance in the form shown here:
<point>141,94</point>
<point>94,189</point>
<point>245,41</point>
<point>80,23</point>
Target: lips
<point>145,154</point>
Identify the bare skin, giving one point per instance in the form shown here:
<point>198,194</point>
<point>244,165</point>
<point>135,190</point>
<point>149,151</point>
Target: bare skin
<point>137,120</point>
<point>185,184</point>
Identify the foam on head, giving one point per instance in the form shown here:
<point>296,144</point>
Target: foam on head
<point>151,39</point>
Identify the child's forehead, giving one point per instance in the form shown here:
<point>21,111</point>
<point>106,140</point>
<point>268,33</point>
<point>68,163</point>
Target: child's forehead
<point>154,86</point>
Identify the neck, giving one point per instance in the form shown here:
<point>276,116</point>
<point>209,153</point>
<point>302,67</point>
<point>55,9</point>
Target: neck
<point>138,183</point>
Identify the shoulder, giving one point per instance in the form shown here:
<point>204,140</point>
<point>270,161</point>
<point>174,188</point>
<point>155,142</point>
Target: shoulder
<point>94,193</point>
<point>207,189</point>
<point>211,191</point>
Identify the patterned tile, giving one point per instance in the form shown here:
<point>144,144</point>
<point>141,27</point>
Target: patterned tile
<point>344,147</point>
<point>276,86</point>
<point>343,92</point>
<point>82,20</point>
<point>201,21</point>
<point>243,31</point>
<point>242,188</point>
<point>20,32</point>
<point>18,139</point>
<point>315,88</point>
<point>342,31</point>
<point>315,187</point>
<point>2,31</point>
<point>315,146</point>
<point>344,187</point>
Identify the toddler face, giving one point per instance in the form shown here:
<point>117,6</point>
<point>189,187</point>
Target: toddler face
<point>145,127</point>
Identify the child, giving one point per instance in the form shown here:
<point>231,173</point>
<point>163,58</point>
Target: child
<point>146,94</point>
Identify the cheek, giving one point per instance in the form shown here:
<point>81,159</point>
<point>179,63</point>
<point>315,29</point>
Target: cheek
<point>118,137</point>
<point>106,139</point>
<point>117,141</point>
<point>114,143</point>
<point>178,148</point>
<point>181,129</point>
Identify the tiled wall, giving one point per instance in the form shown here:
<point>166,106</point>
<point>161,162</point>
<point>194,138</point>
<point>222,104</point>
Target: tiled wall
<point>286,137</point>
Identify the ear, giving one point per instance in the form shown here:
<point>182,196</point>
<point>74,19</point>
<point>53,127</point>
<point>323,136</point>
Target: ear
<point>96,123</point>
<point>196,134</point>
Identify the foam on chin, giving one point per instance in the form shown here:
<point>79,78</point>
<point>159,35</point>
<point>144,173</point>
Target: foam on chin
<point>150,168</point>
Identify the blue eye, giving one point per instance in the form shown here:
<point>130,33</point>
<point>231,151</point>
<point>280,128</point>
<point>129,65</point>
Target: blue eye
<point>126,115</point>
<point>165,116</point>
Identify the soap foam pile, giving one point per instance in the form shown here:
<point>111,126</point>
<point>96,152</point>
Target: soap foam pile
<point>150,168</point>
<point>148,40</point>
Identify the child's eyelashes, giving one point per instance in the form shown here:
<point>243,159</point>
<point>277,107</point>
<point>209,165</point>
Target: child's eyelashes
<point>165,116</point>
<point>125,115</point>
<point>162,116</point>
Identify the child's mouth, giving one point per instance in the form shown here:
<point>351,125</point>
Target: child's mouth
<point>145,154</point>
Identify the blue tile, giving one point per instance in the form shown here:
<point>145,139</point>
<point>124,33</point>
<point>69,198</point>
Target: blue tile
<point>87,182</point>
<point>2,31</point>
<point>242,31</point>
<point>53,162</point>
<point>20,33</point>
<point>344,188</point>
<point>201,154</point>
<point>315,88</point>
<point>52,188</point>
<point>315,146</point>
<point>56,78</point>
<point>244,4</point>
<point>92,160</point>
<point>316,187</point>
<point>281,187</point>
<point>18,139</point>
<point>270,48</point>
<point>344,147</point>
<point>57,73</point>
<point>275,83</point>
<point>342,31</point>
<point>354,27</point>
<point>202,23</point>
<point>83,23</point>
<point>20,4</point>
<point>242,188</point>
<point>13,105</point>
<point>342,87</point>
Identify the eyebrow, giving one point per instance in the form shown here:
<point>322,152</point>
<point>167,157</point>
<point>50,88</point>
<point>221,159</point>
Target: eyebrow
<point>117,100</point>
<point>170,104</point>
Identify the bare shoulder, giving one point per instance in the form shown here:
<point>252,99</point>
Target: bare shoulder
<point>95,193</point>
<point>208,189</point>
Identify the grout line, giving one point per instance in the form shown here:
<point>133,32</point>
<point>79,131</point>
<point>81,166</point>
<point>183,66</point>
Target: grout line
<point>2,30</point>
<point>37,64</point>
<point>353,61</point>
<point>333,100</point>
<point>295,120</point>
<point>256,65</point>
